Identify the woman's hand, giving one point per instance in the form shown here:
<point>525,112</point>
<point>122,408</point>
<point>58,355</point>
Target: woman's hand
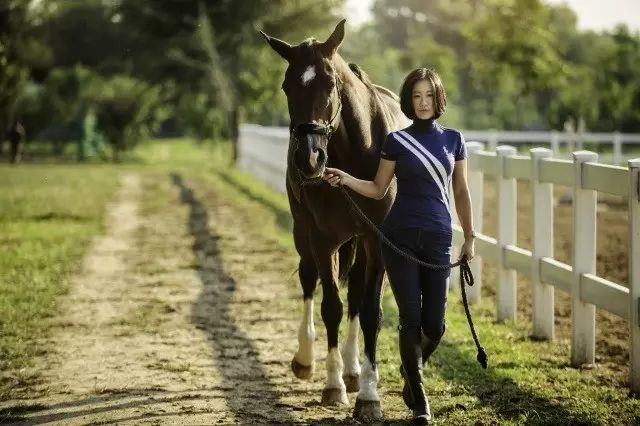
<point>467,249</point>
<point>336,177</point>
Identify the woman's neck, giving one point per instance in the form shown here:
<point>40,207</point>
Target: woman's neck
<point>424,125</point>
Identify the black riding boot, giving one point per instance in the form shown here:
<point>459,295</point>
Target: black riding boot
<point>413,392</point>
<point>428,346</point>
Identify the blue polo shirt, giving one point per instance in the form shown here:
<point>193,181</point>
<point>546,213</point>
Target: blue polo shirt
<point>424,153</point>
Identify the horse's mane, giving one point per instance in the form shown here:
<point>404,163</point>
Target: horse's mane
<point>362,76</point>
<point>359,72</point>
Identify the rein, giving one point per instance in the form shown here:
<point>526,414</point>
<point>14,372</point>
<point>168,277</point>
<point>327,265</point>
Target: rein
<point>465,271</point>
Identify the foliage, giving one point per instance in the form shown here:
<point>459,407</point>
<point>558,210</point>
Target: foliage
<point>506,64</point>
<point>128,110</point>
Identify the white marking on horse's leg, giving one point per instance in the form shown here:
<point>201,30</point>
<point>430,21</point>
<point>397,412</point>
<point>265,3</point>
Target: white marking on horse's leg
<point>350,352</point>
<point>368,382</point>
<point>306,336</point>
<point>308,75</point>
<point>334,370</point>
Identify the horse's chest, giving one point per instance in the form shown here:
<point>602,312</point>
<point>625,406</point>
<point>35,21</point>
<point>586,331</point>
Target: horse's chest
<point>329,210</point>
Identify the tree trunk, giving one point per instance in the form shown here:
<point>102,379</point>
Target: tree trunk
<point>233,131</point>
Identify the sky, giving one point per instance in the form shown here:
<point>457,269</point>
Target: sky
<point>592,14</point>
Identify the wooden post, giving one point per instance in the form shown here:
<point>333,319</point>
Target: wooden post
<point>455,272</point>
<point>507,289</point>
<point>583,315</point>
<point>475,179</point>
<point>493,139</point>
<point>634,273</point>
<point>542,233</point>
<point>555,138</point>
<point>617,148</point>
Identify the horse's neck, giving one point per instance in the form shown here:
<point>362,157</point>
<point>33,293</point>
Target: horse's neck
<point>362,126</point>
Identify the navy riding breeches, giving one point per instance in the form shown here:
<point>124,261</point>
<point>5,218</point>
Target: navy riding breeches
<point>421,293</point>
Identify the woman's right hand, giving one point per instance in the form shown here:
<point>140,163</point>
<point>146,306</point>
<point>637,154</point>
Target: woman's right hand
<point>335,177</point>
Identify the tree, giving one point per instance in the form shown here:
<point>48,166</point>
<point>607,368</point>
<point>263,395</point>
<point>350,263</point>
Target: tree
<point>128,110</point>
<point>220,44</point>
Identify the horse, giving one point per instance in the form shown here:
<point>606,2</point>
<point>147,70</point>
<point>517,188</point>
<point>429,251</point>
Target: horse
<point>338,118</point>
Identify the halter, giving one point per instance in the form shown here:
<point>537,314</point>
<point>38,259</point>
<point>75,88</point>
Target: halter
<point>327,130</point>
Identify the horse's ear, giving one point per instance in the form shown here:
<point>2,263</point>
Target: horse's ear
<point>330,46</point>
<point>283,48</point>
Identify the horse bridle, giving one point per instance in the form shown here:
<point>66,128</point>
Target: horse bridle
<point>311,128</point>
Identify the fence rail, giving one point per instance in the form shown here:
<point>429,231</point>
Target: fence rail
<point>263,152</point>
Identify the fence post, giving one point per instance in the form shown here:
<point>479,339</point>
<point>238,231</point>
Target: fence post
<point>634,273</point>
<point>555,147</point>
<point>617,148</point>
<point>476,187</point>
<point>506,291</point>
<point>583,315</point>
<point>542,234</point>
<point>455,273</point>
<point>493,139</point>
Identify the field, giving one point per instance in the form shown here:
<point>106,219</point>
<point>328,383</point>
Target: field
<point>197,320</point>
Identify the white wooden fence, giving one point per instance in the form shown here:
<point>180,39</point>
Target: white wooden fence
<point>573,140</point>
<point>263,153</point>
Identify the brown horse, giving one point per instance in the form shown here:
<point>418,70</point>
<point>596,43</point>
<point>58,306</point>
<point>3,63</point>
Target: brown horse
<point>338,119</point>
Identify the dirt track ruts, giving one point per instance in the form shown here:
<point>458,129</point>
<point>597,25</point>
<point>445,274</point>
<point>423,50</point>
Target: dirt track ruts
<point>159,327</point>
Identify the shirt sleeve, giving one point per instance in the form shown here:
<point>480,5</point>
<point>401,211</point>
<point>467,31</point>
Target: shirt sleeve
<point>461,150</point>
<point>390,148</point>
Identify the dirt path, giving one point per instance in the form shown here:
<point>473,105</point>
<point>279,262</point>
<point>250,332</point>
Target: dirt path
<point>161,328</point>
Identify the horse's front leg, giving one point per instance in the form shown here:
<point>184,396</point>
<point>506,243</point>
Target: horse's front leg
<point>335,391</point>
<point>303,363</point>
<point>367,406</point>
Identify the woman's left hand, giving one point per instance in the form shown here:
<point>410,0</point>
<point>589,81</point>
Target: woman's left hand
<point>467,249</point>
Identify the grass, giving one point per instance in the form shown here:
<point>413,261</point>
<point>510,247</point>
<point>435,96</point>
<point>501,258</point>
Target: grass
<point>527,382</point>
<point>48,215</point>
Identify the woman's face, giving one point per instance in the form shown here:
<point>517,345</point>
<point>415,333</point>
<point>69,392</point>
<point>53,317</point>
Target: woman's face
<point>423,99</point>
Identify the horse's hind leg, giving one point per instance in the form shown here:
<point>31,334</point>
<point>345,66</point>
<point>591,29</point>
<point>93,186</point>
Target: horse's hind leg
<point>303,363</point>
<point>350,350</point>
<point>368,401</point>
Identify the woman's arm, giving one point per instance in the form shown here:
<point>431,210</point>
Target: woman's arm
<point>376,188</point>
<point>463,206</point>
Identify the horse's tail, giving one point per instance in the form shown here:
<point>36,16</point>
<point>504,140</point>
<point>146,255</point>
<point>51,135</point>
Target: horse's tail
<point>346,256</point>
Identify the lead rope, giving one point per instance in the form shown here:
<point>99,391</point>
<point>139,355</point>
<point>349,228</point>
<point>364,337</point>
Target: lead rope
<point>466,277</point>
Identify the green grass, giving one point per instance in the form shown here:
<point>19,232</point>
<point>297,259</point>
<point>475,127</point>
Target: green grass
<point>48,215</point>
<point>43,234</point>
<point>527,382</point>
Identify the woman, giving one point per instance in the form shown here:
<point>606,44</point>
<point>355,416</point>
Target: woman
<point>425,157</point>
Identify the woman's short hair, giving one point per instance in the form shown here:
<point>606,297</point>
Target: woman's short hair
<point>406,92</point>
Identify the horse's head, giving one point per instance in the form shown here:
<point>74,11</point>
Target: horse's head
<point>312,86</point>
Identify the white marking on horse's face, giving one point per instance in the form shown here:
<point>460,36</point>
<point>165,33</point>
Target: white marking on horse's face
<point>368,382</point>
<point>306,336</point>
<point>308,75</point>
<point>350,350</point>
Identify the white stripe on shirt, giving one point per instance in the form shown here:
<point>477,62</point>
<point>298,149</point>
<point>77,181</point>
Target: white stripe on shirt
<point>439,167</point>
<point>427,165</point>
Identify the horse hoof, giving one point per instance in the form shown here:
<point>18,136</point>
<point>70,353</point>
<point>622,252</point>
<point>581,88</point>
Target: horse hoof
<point>304,372</point>
<point>352,381</point>
<point>334,397</point>
<point>367,411</point>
